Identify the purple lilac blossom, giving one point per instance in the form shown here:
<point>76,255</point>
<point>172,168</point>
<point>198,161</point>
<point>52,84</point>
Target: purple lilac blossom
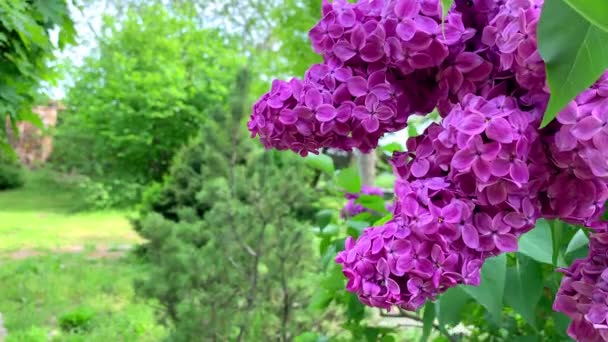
<point>471,185</point>
<point>583,293</point>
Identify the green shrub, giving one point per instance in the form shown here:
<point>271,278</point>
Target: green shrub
<point>77,320</point>
<point>226,233</point>
<point>12,174</point>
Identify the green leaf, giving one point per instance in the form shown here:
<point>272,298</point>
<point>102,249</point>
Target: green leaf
<point>446,5</point>
<point>392,147</point>
<point>596,12</point>
<point>427,321</point>
<point>525,285</point>
<point>578,241</point>
<point>574,52</point>
<point>32,118</point>
<point>373,202</point>
<point>320,300</point>
<point>349,180</point>
<point>320,162</point>
<point>449,306</point>
<point>323,217</point>
<point>383,220</point>
<point>538,243</point>
<point>385,180</point>
<point>490,291</point>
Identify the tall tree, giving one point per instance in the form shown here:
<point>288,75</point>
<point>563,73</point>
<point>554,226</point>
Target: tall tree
<point>155,79</point>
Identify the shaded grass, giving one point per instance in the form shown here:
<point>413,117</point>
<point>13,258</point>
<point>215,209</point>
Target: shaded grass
<point>38,293</point>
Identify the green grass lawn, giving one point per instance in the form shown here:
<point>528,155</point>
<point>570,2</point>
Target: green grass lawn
<point>59,296</point>
<point>73,298</point>
<point>41,215</point>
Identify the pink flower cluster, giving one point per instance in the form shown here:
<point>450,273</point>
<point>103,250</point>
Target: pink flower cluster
<point>469,186</point>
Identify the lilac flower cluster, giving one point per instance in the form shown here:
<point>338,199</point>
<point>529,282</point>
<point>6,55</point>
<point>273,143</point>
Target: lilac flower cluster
<point>352,208</point>
<point>583,293</point>
<point>471,185</point>
<point>380,62</point>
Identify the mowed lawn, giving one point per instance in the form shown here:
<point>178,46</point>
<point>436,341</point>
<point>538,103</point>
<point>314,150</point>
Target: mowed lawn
<point>43,215</point>
<point>53,287</point>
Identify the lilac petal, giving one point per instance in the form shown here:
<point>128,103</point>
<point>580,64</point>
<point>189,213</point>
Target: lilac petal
<point>468,61</point>
<point>371,124</point>
<point>470,236</point>
<point>568,115</point>
<point>413,285</point>
<point>361,112</point>
<point>463,159</point>
<point>392,286</point>
<point>452,213</point>
<point>472,124</point>
<point>384,113</point>
<point>304,128</point>
<point>564,140</point>
<point>357,37</point>
<point>406,29</point>
<point>427,25</point>
<point>406,8</point>
<point>382,91</point>
<point>600,141</point>
<point>325,112</point>
<point>343,74</point>
<point>496,193</point>
<point>515,220</point>
<point>500,130</point>
<point>327,127</point>
<point>347,18</point>
<point>410,206</point>
<point>335,31</point>
<point>565,304</point>
<point>500,167</point>
<point>505,242</point>
<point>481,168</point>
<point>421,61</point>
<point>402,247</point>
<point>373,50</point>
<point>420,167</point>
<point>357,86</point>
<point>377,245</point>
<point>288,117</point>
<point>597,314</point>
<point>489,151</point>
<point>383,268</point>
<point>587,128</point>
<point>451,35</point>
<point>313,98</point>
<point>303,112</point>
<point>344,51</point>
<point>519,172</point>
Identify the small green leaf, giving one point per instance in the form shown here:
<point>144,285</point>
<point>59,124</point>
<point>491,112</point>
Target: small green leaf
<point>31,117</point>
<point>449,306</point>
<point>320,162</point>
<point>373,202</point>
<point>427,321</point>
<point>538,243</point>
<point>349,180</point>
<point>323,217</point>
<point>490,291</point>
<point>392,147</point>
<point>579,240</point>
<point>383,220</point>
<point>574,52</point>
<point>445,6</point>
<point>525,288</point>
<point>596,12</point>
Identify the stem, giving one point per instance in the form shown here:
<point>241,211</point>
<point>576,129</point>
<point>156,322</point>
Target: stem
<point>367,167</point>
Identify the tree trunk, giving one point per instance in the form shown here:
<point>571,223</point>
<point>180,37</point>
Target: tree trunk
<point>367,167</point>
